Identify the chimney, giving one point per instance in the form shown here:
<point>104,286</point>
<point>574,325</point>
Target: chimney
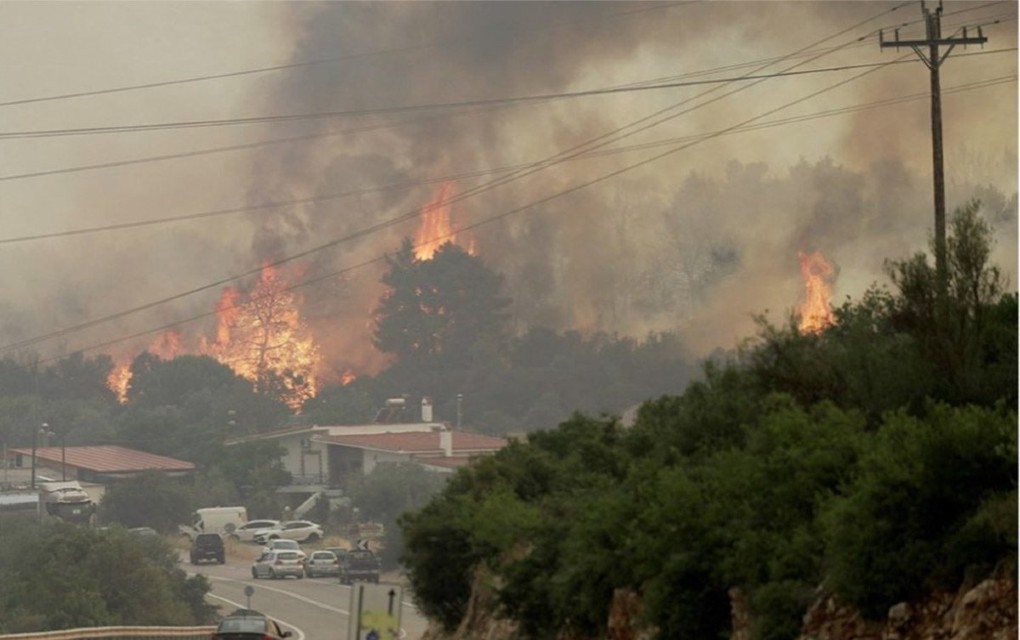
<point>446,442</point>
<point>426,409</point>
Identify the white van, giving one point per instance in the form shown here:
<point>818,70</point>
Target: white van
<point>221,520</point>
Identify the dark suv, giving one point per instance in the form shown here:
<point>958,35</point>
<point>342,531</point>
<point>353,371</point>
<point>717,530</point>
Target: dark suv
<point>208,546</point>
<point>359,565</point>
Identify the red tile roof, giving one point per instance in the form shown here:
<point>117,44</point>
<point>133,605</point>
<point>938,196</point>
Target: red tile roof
<point>417,442</point>
<point>107,459</point>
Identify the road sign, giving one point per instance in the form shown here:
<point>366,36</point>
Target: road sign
<point>375,611</point>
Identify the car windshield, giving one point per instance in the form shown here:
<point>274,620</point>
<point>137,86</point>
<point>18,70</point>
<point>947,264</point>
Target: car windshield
<point>242,625</point>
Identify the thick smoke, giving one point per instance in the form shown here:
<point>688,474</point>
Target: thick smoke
<point>698,241</point>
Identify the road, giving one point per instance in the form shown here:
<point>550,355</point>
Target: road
<point>312,608</point>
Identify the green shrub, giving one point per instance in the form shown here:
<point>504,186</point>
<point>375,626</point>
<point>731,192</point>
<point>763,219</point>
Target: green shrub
<point>923,507</point>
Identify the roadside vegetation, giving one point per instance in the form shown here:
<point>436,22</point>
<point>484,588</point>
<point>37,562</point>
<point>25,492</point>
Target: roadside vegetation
<point>875,460</point>
<point>58,576</point>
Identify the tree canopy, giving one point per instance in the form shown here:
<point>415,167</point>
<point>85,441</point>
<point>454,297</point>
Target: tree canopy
<point>439,309</point>
<point>876,458</point>
<point>106,578</point>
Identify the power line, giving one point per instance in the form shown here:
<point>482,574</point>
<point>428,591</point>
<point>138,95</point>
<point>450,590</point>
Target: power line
<point>413,108</point>
<point>447,236</point>
<point>313,136</point>
<point>331,59</point>
<point>551,161</point>
<point>491,170</point>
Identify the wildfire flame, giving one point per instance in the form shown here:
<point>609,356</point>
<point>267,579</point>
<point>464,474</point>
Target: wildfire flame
<point>167,346</point>
<point>436,229</point>
<point>816,312</point>
<point>260,335</point>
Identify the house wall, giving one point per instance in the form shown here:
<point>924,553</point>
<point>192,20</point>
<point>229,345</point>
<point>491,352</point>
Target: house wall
<point>375,458</point>
<point>306,460</point>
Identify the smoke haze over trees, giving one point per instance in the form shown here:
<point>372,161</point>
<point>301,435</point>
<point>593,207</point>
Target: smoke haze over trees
<point>695,243</point>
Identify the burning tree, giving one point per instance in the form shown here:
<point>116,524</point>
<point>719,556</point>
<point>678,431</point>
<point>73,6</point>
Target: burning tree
<point>816,311</point>
<point>262,337</point>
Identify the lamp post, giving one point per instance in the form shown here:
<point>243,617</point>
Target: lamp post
<point>44,430</point>
<point>460,399</point>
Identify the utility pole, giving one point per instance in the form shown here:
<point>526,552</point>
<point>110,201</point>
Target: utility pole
<point>933,60</point>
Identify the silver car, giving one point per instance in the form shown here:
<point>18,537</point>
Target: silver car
<point>322,563</point>
<point>278,564</point>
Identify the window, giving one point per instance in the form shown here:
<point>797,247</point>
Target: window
<point>242,625</point>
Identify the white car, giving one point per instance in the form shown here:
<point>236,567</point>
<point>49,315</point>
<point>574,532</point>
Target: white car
<point>246,532</point>
<point>300,530</point>
<point>284,545</point>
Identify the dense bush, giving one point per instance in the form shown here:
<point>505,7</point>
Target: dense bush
<point>106,577</point>
<point>876,459</point>
<point>910,521</point>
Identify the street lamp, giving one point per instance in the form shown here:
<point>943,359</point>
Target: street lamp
<point>44,430</point>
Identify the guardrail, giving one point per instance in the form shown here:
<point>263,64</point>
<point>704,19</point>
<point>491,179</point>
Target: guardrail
<point>101,633</point>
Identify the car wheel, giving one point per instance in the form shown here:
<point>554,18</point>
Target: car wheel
<point>274,537</point>
<point>300,575</point>
<point>272,575</point>
<point>312,538</point>
<point>254,573</point>
<point>222,560</point>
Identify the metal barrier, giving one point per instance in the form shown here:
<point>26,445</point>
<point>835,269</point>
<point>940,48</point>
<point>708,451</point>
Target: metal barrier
<point>101,633</point>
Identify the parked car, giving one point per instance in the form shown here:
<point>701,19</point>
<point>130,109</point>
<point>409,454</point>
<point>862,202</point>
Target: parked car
<point>278,564</point>
<point>359,565</point>
<point>246,533</point>
<point>285,545</point>
<point>300,530</point>
<point>247,624</point>
<point>145,532</point>
<point>322,563</point>
<point>208,546</point>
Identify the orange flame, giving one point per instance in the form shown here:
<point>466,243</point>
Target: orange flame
<point>816,312</point>
<point>436,228</point>
<point>347,377</point>
<point>167,346</point>
<point>262,337</point>
<point>118,380</point>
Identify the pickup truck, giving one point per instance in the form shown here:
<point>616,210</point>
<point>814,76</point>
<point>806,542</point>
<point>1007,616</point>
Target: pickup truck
<point>359,565</point>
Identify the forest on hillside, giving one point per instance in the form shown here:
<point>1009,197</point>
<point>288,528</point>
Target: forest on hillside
<point>875,459</point>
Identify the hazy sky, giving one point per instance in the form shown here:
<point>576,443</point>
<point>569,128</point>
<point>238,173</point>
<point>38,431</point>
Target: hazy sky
<point>696,241</point>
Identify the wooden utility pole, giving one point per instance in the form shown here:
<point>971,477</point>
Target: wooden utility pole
<point>933,60</point>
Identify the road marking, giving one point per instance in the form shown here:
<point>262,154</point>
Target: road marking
<point>300,633</point>
<point>286,593</point>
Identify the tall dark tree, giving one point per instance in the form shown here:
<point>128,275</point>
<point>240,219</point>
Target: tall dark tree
<point>440,310</point>
<point>972,334</point>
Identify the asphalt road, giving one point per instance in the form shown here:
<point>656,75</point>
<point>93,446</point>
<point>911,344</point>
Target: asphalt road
<point>312,608</point>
